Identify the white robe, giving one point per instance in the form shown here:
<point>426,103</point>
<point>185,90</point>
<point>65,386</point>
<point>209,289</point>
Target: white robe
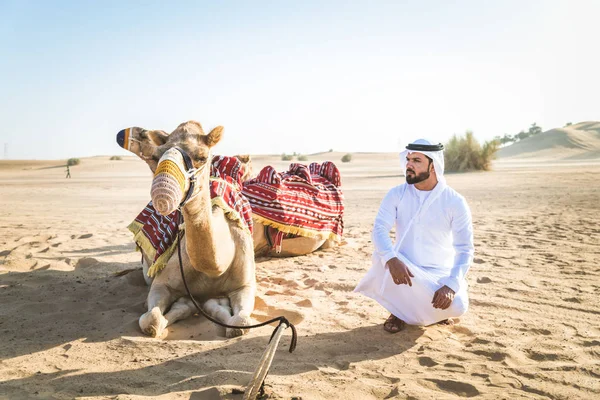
<point>434,238</point>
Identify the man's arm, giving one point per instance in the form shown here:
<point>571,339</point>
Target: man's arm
<point>384,248</point>
<point>384,221</point>
<point>462,241</point>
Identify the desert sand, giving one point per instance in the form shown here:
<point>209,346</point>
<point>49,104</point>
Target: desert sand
<point>68,320</point>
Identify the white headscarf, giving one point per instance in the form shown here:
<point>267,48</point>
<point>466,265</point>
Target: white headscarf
<point>436,156</point>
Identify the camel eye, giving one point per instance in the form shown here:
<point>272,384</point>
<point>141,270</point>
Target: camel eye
<point>201,159</point>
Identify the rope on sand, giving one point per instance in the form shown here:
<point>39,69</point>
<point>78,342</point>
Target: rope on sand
<point>258,379</point>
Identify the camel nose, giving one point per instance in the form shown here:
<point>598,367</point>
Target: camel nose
<point>121,138</point>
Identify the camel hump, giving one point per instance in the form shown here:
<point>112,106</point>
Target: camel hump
<point>327,170</point>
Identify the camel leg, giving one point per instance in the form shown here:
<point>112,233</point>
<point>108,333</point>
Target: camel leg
<point>242,304</point>
<point>153,323</point>
<point>218,309</point>
<point>329,244</point>
<point>181,309</point>
<point>145,268</point>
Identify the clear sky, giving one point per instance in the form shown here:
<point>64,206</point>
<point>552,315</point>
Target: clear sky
<point>283,76</point>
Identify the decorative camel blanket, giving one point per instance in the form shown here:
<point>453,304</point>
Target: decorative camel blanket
<point>156,234</point>
<point>304,201</point>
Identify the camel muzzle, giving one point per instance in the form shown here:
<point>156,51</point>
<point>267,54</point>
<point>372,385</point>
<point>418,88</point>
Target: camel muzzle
<point>125,138</point>
<point>168,186</point>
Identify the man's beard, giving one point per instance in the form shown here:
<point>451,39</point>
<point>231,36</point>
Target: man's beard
<point>416,178</point>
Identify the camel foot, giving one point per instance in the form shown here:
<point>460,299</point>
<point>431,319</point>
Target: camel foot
<point>153,323</point>
<point>239,320</point>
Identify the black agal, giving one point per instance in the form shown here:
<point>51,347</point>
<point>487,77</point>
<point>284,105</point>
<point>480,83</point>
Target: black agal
<point>425,147</point>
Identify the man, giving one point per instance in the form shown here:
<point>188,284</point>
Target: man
<point>420,278</point>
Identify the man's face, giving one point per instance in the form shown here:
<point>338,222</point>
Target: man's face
<point>417,168</point>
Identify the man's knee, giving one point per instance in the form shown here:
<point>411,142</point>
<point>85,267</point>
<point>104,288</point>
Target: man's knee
<point>460,306</point>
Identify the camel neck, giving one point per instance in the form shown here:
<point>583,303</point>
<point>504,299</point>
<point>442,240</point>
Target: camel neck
<point>207,235</point>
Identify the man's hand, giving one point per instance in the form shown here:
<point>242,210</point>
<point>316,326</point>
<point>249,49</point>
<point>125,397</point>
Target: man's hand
<point>443,297</point>
<point>400,272</point>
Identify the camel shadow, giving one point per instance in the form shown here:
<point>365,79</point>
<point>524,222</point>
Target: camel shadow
<point>230,364</point>
<point>46,308</point>
<point>107,250</point>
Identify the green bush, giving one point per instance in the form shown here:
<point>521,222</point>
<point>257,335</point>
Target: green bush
<point>286,157</point>
<point>347,157</point>
<point>73,161</point>
<point>464,153</point>
<point>116,158</point>
<point>302,158</point>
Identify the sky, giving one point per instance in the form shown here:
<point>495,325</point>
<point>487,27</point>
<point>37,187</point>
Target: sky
<point>284,76</point>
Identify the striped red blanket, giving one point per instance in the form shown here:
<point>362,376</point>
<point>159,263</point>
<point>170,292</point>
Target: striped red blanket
<point>304,201</point>
<point>156,235</point>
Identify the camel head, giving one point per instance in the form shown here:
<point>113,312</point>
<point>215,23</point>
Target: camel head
<point>246,166</point>
<point>172,172</point>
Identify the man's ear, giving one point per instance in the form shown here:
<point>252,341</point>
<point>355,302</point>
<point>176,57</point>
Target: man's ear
<point>214,136</point>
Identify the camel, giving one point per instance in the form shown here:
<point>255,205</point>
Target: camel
<point>290,247</point>
<point>217,254</point>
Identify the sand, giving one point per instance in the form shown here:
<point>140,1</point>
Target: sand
<point>69,327</point>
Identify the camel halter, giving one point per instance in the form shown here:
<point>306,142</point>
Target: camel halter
<point>169,180</point>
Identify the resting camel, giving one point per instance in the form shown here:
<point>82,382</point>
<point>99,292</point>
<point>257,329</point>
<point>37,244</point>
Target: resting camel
<point>290,247</point>
<point>217,254</point>
<point>137,144</point>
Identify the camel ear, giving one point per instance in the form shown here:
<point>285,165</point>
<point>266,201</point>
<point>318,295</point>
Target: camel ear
<point>214,136</point>
<point>158,137</point>
<point>244,158</point>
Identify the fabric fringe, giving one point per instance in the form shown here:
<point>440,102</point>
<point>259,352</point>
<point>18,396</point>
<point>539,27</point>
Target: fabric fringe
<point>144,245</point>
<point>294,230</point>
<point>230,213</point>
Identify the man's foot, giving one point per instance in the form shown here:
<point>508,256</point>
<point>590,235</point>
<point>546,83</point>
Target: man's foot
<point>448,321</point>
<point>393,324</point>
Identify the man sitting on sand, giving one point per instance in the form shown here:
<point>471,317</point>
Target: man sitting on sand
<point>420,278</point>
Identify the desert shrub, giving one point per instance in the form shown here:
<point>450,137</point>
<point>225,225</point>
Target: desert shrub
<point>286,157</point>
<point>73,161</point>
<point>302,157</point>
<point>464,153</point>
<point>347,157</point>
<point>116,158</point>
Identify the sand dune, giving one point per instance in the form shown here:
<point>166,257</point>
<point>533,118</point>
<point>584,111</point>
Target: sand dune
<point>68,320</point>
<point>575,142</point>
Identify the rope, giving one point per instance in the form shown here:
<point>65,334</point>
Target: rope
<point>258,379</point>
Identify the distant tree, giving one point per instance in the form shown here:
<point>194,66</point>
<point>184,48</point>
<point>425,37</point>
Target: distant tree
<point>569,124</point>
<point>286,157</point>
<point>521,135</point>
<point>534,129</point>
<point>302,157</point>
<point>330,150</point>
<point>116,158</point>
<point>347,157</point>
<point>73,161</point>
<point>502,140</point>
